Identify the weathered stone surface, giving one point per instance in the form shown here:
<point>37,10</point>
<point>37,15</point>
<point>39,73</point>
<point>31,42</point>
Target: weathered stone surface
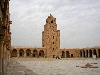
<point>14,68</point>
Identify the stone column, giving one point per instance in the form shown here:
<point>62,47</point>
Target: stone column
<point>4,57</point>
<point>8,55</point>
<point>1,56</point>
<point>65,54</point>
<point>97,52</point>
<point>31,53</point>
<point>80,53</point>
<point>85,54</point>
<point>88,53</point>
<point>25,53</point>
<point>38,53</point>
<point>17,53</point>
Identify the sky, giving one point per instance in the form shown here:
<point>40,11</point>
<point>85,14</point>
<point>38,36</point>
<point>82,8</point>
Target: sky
<point>77,20</point>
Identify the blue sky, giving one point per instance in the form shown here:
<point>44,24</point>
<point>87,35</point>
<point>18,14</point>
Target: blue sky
<point>77,20</point>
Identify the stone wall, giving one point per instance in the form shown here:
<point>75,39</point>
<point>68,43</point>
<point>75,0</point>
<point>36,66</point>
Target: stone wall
<point>36,52</point>
<point>5,35</point>
<point>62,53</point>
<point>83,52</point>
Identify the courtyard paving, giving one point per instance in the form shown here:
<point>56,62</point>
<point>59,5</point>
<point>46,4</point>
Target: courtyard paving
<point>44,66</point>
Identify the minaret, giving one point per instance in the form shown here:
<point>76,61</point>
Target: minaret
<point>51,37</point>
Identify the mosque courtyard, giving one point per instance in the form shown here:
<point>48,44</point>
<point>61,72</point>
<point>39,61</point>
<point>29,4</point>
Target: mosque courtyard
<point>52,66</point>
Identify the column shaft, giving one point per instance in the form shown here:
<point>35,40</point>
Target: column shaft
<point>17,53</point>
<point>24,53</point>
<point>31,53</point>
<point>1,56</point>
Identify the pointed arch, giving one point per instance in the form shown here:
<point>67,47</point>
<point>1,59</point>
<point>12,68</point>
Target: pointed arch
<point>41,53</point>
<point>63,54</point>
<point>35,53</point>
<point>21,53</point>
<point>14,53</point>
<point>28,53</point>
<point>90,51</point>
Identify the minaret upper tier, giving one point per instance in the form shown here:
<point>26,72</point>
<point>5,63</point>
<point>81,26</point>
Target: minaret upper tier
<point>51,20</point>
<point>50,24</point>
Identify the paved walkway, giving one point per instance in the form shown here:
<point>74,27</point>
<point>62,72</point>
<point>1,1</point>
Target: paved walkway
<point>14,68</point>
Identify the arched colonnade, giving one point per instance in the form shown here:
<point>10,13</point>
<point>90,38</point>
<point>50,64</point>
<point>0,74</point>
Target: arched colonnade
<point>66,54</point>
<point>28,53</point>
<point>89,52</point>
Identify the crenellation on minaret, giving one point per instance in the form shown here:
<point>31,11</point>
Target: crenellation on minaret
<point>50,20</point>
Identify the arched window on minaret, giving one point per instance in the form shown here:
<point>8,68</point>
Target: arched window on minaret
<point>52,21</point>
<point>53,37</point>
<point>53,42</point>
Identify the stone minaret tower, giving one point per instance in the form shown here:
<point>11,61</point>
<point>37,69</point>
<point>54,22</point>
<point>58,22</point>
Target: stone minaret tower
<point>51,37</point>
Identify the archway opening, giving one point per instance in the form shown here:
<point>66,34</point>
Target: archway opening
<point>67,54</point>
<point>21,53</point>
<point>41,53</point>
<point>71,55</point>
<point>90,51</point>
<point>35,53</point>
<point>14,53</point>
<point>28,52</point>
<point>53,56</point>
<point>63,54</point>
